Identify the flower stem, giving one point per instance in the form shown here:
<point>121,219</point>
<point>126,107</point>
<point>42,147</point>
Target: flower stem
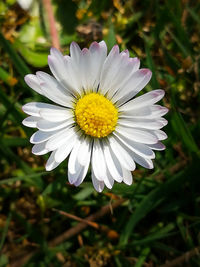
<point>52,23</point>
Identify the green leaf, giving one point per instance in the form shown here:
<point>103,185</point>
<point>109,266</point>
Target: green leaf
<point>142,257</point>
<point>84,193</point>
<point>110,38</point>
<point>15,141</point>
<point>34,58</point>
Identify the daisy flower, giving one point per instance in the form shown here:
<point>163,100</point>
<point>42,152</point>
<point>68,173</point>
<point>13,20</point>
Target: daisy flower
<point>96,120</point>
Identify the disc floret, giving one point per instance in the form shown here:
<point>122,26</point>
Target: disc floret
<point>96,115</point>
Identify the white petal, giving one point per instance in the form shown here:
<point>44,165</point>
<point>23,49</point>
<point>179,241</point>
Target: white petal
<point>39,136</point>
<point>160,135</point>
<point>137,135</point>
<point>81,176</point>
<point>54,90</point>
<point>85,69</point>
<point>98,162</point>
<point>63,151</point>
<point>55,114</point>
<point>109,181</point>
<point>98,185</point>
<point>135,84</point>
<point>48,126</point>
<point>136,113</point>
<point>91,62</point>
<point>106,177</point>
<point>158,146</point>
<point>157,111</point>
<point>58,66</point>
<point>31,121</point>
<point>74,177</point>
<point>84,151</point>
<point>141,123</point>
<point>127,177</point>
<point>150,112</point>
<point>140,149</point>
<point>163,121</point>
<point>144,100</point>
<point>109,69</point>
<point>51,163</point>
<point>103,48</point>
<point>122,154</point>
<point>126,69</point>
<point>76,171</point>
<point>75,52</point>
<point>73,164</point>
<point>144,162</point>
<point>135,64</point>
<point>39,149</point>
<point>98,53</point>
<point>59,138</point>
<point>113,165</point>
<point>33,108</point>
<point>33,82</point>
<point>84,169</point>
<point>119,73</point>
<point>73,64</point>
<point>73,70</point>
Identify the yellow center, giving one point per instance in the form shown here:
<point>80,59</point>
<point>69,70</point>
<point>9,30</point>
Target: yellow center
<point>96,115</point>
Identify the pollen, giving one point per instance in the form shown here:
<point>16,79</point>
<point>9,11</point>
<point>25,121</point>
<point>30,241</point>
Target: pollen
<point>96,115</point>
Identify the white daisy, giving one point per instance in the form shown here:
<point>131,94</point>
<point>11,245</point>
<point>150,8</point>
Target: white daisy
<point>97,121</point>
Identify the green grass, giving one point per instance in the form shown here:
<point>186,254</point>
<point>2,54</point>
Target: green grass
<point>160,217</point>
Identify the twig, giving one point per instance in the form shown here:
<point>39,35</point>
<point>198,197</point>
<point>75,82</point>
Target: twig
<point>81,226</point>
<point>184,258</point>
<point>105,229</point>
<point>71,232</point>
<point>76,218</point>
<point>52,24</point>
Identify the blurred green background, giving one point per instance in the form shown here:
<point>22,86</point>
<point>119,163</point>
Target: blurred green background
<point>154,222</point>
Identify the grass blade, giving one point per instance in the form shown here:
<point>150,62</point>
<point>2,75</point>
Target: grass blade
<point>18,62</point>
<point>156,197</point>
<point>5,230</point>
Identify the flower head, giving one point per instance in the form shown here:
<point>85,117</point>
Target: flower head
<point>96,119</point>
